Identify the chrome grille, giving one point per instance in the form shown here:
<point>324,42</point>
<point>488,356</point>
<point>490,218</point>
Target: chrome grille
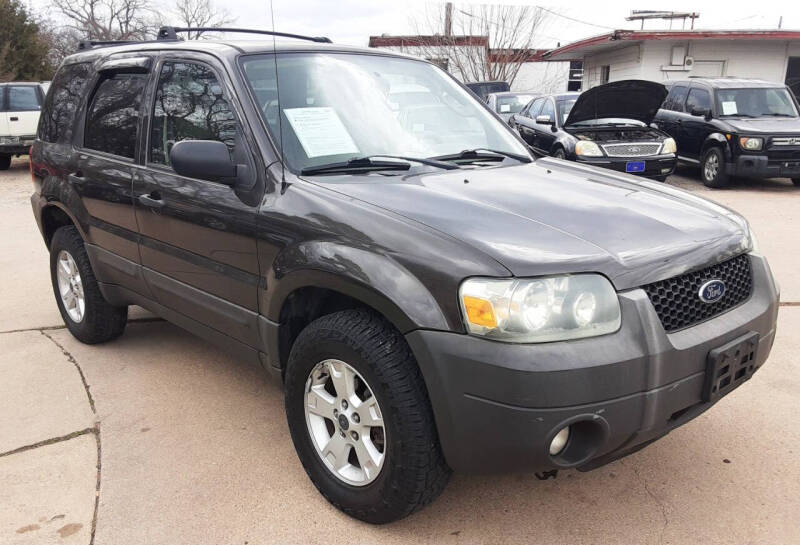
<point>631,150</point>
<point>785,141</point>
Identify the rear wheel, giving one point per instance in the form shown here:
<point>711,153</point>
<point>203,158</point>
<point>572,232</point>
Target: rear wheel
<point>712,168</point>
<point>796,181</point>
<point>5,162</point>
<point>360,418</point>
<point>86,313</point>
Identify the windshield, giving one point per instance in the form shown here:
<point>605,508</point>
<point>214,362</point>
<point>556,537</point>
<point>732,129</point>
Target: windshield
<point>564,108</point>
<point>755,102</point>
<point>339,106</point>
<point>512,104</point>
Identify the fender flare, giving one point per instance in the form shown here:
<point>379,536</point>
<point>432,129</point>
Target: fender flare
<point>716,139</point>
<point>375,279</point>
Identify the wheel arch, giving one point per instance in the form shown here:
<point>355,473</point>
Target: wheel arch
<point>719,140</point>
<point>55,215</point>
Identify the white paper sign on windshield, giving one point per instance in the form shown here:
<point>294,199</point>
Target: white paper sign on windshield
<point>320,131</point>
<point>505,108</point>
<point>729,108</point>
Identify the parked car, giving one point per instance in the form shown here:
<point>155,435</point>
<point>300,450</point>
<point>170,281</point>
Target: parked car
<point>734,127</point>
<point>508,104</point>
<point>20,104</point>
<point>484,88</point>
<point>428,306</point>
<point>606,126</point>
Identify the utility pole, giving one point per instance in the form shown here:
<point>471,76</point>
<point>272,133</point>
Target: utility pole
<point>448,19</point>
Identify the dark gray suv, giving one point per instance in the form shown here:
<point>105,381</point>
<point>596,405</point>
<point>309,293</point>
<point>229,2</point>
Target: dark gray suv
<point>431,297</point>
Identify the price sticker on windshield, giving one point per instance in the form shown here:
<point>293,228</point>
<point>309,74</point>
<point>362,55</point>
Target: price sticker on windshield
<point>320,131</point>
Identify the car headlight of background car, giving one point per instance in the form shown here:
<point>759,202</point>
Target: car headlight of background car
<point>669,146</point>
<point>750,143</point>
<point>544,309</point>
<point>587,148</point>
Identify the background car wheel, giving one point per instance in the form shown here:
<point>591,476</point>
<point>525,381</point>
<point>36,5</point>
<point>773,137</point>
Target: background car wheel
<point>712,168</point>
<point>88,316</point>
<point>360,418</point>
<point>796,181</point>
<point>5,162</point>
<point>559,154</point>
<point>659,178</point>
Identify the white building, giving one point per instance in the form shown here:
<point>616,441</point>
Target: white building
<point>773,55</point>
<point>534,74</point>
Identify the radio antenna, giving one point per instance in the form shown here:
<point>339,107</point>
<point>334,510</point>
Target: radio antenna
<point>278,96</point>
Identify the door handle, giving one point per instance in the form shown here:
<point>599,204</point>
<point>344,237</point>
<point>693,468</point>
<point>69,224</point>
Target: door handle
<point>679,121</point>
<point>76,177</point>
<point>13,119</point>
<point>153,200</point>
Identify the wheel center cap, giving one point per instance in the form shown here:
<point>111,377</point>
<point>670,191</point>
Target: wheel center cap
<point>344,423</point>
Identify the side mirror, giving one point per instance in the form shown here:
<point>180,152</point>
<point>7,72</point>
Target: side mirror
<point>204,159</point>
<point>544,120</point>
<point>701,112</point>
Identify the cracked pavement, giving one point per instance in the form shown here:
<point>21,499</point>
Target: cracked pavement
<point>159,437</point>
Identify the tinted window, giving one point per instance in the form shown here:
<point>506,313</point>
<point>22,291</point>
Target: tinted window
<point>676,98</point>
<point>189,106</point>
<point>113,115</point>
<point>699,99</point>
<point>23,98</point>
<point>63,100</point>
<point>535,108</point>
<point>564,108</point>
<point>549,110</point>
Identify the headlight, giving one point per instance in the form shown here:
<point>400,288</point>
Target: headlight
<point>753,240</point>
<point>587,148</point>
<point>669,146</point>
<point>537,310</point>
<point>752,144</point>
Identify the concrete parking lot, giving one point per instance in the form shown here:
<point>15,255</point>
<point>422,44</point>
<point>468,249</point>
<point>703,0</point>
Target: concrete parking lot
<point>161,438</point>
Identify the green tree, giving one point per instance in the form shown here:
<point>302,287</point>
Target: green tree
<point>23,48</point>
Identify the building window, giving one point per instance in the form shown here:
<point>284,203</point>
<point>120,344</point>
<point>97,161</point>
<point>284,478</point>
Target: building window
<point>605,74</point>
<point>678,55</point>
<point>575,76</point>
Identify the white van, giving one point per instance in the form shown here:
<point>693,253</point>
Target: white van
<point>20,105</point>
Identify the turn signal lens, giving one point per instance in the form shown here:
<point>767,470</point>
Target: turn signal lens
<point>479,312</point>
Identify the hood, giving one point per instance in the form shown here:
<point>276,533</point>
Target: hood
<point>628,99</point>
<point>553,217</point>
<point>764,125</point>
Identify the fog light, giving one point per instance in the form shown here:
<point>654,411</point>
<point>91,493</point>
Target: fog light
<point>666,170</point>
<point>559,441</point>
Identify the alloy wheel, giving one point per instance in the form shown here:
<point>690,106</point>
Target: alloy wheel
<point>345,422</point>
<point>70,286</point>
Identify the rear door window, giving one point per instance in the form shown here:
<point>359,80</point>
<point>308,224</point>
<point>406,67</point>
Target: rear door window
<point>62,102</point>
<point>23,98</point>
<point>699,99</point>
<point>112,119</point>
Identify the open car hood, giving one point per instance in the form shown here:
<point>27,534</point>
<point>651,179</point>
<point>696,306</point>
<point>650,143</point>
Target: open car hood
<point>627,99</point>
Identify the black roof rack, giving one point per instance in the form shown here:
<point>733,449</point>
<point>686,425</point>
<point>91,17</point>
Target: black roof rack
<point>171,33</point>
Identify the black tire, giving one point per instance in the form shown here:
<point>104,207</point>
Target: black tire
<point>5,162</point>
<point>796,181</point>
<point>414,471</point>
<point>559,153</point>
<point>101,321</point>
<point>659,178</point>
<point>713,177</point>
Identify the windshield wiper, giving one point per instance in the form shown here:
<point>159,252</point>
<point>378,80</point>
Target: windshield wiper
<point>368,164</point>
<point>777,115</point>
<point>472,155</point>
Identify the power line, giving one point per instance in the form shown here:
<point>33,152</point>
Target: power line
<point>575,20</point>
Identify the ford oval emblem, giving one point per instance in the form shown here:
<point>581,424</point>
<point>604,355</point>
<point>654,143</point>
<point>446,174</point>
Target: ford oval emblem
<point>712,291</point>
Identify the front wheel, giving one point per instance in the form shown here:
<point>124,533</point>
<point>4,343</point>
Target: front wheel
<point>796,181</point>
<point>360,418</point>
<point>86,313</point>
<point>5,162</point>
<point>559,154</point>
<point>712,168</point>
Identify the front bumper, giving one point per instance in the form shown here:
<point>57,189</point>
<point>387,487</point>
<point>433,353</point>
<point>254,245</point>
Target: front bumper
<point>498,405</point>
<point>655,166</point>
<point>762,166</point>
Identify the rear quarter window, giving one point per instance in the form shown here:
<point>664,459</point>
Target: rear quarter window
<point>112,118</point>
<point>64,97</point>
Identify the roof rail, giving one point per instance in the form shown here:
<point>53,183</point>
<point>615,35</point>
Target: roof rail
<point>91,44</point>
<point>171,33</point>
